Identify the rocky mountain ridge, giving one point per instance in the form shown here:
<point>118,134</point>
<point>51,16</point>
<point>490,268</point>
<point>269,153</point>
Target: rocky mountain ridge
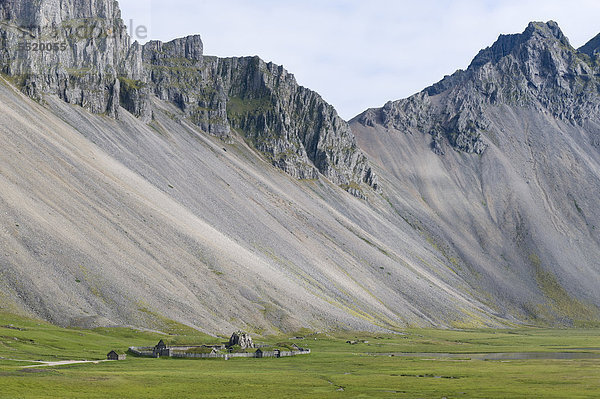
<point>100,70</point>
<point>592,48</point>
<point>296,130</point>
<point>537,68</point>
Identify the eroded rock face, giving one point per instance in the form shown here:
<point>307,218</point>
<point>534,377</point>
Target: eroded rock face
<point>537,68</point>
<point>95,66</point>
<point>89,44</point>
<point>242,339</point>
<point>592,48</point>
<point>292,126</point>
<point>176,71</point>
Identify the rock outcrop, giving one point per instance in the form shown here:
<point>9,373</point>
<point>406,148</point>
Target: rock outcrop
<point>592,48</point>
<point>242,339</point>
<point>72,49</point>
<point>92,63</point>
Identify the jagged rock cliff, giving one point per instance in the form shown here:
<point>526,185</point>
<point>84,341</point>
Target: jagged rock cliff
<point>291,125</point>
<point>538,69</point>
<point>95,66</point>
<point>89,45</point>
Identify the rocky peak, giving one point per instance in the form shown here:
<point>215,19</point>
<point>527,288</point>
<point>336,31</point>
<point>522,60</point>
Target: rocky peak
<point>537,35</point>
<point>542,50</point>
<point>537,68</point>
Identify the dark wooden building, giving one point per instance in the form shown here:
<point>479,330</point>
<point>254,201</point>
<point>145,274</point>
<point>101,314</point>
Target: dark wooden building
<point>161,350</point>
<point>112,355</point>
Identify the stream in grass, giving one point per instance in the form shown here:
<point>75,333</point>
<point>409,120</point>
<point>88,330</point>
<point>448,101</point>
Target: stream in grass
<point>498,356</point>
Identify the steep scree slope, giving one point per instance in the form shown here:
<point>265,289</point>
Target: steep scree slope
<point>132,193</point>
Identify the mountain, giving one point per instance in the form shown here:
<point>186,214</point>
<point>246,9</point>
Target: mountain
<point>143,186</point>
<point>101,71</point>
<point>501,164</point>
<point>153,185</point>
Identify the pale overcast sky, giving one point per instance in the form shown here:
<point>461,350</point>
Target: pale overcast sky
<point>358,54</point>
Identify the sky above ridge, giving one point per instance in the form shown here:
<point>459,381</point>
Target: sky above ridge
<point>357,54</point>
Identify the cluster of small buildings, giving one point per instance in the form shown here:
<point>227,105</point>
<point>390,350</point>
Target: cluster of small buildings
<point>239,340</point>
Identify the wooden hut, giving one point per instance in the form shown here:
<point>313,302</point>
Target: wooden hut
<point>161,349</point>
<point>113,355</point>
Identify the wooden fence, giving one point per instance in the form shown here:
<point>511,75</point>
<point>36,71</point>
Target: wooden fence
<point>149,352</point>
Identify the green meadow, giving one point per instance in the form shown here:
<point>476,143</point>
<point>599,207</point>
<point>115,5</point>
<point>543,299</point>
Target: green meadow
<point>334,369</point>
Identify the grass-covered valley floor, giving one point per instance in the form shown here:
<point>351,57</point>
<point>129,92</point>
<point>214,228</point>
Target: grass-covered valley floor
<point>334,369</point>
